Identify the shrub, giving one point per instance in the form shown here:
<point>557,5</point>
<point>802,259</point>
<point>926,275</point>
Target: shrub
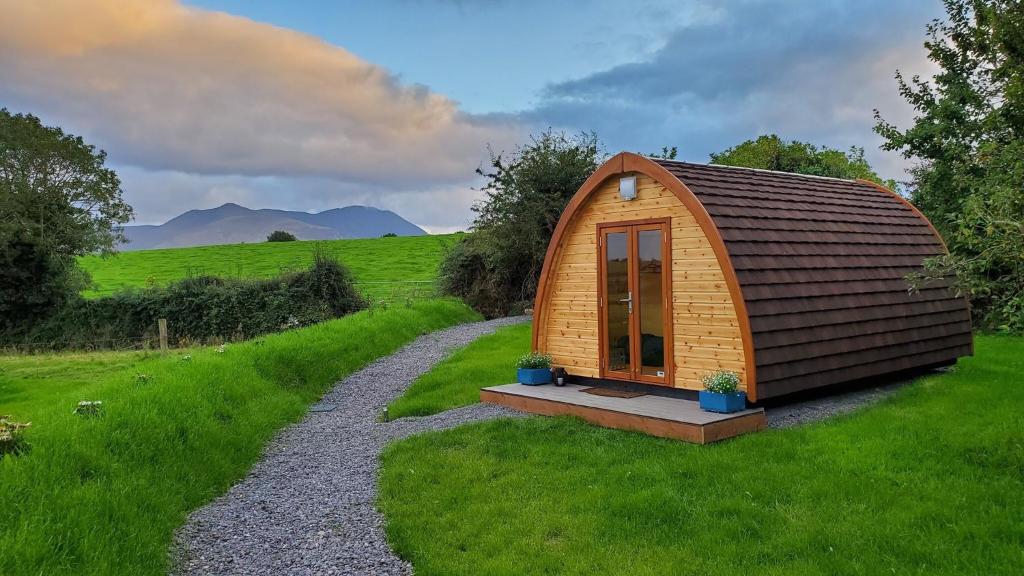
<point>534,360</point>
<point>496,268</point>
<point>389,235</point>
<point>200,309</point>
<point>281,236</point>
<point>721,382</point>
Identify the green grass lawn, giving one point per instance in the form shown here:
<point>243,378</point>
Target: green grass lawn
<point>374,261</point>
<point>929,481</point>
<point>457,380</point>
<point>104,495</point>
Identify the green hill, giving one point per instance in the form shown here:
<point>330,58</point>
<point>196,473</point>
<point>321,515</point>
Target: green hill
<point>383,267</point>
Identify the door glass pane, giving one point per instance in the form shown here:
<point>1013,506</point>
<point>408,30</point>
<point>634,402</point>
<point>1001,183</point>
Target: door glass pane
<point>650,304</point>
<point>617,289</point>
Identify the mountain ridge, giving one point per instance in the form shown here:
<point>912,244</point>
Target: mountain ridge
<point>232,223</point>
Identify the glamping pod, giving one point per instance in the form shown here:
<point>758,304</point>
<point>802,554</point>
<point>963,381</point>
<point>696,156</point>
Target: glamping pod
<point>661,271</point>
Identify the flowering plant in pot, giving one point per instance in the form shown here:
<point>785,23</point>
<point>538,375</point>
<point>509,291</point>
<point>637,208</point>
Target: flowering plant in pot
<point>721,393</point>
<point>534,369</point>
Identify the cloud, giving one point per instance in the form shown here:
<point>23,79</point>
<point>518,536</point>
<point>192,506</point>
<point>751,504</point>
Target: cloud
<point>164,86</point>
<point>812,71</point>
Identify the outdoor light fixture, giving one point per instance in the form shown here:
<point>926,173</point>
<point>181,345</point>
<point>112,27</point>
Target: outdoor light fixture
<point>627,188</point>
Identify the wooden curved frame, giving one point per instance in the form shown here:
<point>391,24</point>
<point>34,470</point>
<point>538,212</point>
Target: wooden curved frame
<point>626,162</point>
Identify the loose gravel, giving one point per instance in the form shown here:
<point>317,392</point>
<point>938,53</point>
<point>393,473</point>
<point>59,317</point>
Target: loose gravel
<point>805,411</point>
<point>308,506</point>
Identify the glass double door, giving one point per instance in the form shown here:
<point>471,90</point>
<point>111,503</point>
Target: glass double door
<point>635,302</point>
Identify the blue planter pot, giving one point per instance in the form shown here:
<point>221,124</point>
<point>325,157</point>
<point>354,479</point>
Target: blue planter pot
<point>533,376</point>
<point>723,403</point>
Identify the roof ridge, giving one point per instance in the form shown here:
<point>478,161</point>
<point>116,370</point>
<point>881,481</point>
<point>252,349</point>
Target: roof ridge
<point>796,174</point>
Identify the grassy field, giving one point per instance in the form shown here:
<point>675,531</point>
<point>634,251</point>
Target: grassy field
<point>376,262</point>
<point>457,380</point>
<point>930,481</point>
<point>103,495</point>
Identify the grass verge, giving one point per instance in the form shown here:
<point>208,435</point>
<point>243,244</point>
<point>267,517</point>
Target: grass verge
<point>457,380</point>
<point>374,262</point>
<point>103,495</point>
<point>930,481</point>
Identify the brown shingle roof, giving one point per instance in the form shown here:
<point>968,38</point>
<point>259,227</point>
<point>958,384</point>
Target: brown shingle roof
<point>821,264</point>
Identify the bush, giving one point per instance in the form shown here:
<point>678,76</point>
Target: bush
<point>389,235</point>
<point>534,360</point>
<point>496,268</point>
<point>201,309</point>
<point>721,382</point>
<point>281,236</point>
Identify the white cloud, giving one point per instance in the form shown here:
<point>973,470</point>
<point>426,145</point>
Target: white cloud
<point>797,69</point>
<point>164,86</point>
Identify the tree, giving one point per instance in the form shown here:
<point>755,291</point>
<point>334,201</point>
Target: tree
<point>57,202</point>
<point>496,268</point>
<point>281,236</point>
<point>772,153</point>
<point>667,153</point>
<point>967,142</point>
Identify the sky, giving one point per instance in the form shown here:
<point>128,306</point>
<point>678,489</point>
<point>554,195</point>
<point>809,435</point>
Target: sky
<point>312,105</point>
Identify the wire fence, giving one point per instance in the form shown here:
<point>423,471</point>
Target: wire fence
<point>377,293</point>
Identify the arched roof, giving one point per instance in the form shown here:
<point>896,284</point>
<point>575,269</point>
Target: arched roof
<point>816,269</point>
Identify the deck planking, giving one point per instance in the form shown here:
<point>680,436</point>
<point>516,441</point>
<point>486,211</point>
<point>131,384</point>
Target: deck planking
<point>656,415</point>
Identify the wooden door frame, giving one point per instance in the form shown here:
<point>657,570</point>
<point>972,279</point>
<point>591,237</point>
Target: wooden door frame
<point>631,228</point>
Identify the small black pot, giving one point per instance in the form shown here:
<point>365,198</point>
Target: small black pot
<point>559,376</point>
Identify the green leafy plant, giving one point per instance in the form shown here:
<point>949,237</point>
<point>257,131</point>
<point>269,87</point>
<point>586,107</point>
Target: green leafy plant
<point>11,440</point>
<point>534,360</point>
<point>721,382</point>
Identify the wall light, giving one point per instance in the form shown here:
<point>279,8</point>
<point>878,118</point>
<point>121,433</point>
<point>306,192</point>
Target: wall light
<point>627,188</point>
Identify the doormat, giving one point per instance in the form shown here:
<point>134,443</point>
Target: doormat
<point>613,393</point>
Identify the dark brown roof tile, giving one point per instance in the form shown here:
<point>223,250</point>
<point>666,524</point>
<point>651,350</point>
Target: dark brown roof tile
<point>821,264</point>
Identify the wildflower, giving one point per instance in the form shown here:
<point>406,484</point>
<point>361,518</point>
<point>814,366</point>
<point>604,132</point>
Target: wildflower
<point>89,408</point>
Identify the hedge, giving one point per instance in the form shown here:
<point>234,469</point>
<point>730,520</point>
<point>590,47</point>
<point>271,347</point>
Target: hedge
<point>201,309</point>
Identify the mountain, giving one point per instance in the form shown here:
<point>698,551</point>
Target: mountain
<point>232,224</point>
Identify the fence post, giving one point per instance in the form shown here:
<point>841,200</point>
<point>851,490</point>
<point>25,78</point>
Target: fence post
<point>162,324</point>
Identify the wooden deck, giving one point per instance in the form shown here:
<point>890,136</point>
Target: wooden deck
<point>655,415</point>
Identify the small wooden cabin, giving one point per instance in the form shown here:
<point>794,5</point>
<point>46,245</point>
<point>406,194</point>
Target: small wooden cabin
<point>661,271</point>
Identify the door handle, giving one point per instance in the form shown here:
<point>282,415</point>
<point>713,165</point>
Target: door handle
<point>629,301</point>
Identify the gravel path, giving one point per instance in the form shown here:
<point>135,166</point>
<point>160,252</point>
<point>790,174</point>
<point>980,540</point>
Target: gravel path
<point>308,506</point>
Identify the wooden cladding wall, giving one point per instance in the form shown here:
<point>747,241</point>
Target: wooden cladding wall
<point>706,331</point>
